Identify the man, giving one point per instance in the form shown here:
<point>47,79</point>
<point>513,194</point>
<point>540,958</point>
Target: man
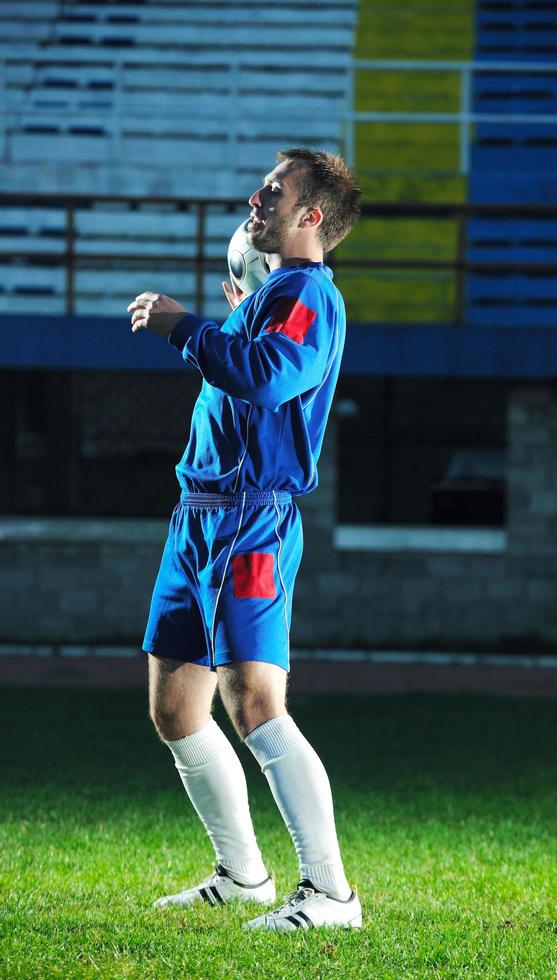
<point>221,607</point>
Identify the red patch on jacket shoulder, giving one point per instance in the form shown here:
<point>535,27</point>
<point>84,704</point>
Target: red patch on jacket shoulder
<point>292,318</point>
<point>254,576</point>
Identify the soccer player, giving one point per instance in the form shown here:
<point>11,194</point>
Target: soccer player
<point>221,607</point>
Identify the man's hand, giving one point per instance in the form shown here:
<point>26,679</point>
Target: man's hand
<point>235,296</point>
<point>155,312</point>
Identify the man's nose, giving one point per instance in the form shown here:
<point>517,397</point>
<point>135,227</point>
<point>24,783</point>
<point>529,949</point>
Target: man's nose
<point>255,199</point>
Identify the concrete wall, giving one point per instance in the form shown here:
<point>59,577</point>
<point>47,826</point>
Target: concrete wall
<point>439,597</point>
<point>88,582</point>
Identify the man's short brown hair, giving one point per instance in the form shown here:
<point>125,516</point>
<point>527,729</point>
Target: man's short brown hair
<point>326,181</point>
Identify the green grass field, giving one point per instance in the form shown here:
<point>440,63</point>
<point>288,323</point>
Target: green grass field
<point>446,811</point>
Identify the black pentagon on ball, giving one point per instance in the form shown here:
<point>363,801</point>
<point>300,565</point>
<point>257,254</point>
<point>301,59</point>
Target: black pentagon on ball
<point>237,265</point>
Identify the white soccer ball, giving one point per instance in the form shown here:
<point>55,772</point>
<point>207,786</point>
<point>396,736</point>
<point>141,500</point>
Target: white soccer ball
<point>248,268</point>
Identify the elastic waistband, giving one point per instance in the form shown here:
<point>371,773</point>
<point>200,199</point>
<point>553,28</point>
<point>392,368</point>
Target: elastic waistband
<point>254,498</point>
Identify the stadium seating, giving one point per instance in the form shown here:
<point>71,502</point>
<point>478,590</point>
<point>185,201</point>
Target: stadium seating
<point>153,99</point>
<point>131,230</point>
<point>126,89</point>
<point>171,99</point>
<point>515,31</point>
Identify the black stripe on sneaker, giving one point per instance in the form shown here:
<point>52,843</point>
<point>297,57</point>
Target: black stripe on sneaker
<point>257,885</point>
<point>216,894</point>
<point>344,901</point>
<point>226,874</point>
<point>294,920</point>
<point>305,917</point>
<point>205,896</point>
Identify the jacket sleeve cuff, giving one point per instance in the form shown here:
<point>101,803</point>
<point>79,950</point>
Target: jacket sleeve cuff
<point>183,330</point>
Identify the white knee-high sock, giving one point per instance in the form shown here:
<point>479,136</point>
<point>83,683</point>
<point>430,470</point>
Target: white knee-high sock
<point>302,793</point>
<point>216,785</point>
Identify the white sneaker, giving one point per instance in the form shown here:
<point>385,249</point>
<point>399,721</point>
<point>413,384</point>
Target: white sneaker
<point>307,908</point>
<point>220,888</point>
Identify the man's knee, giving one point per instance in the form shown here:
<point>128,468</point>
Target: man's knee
<point>175,719</point>
<point>165,717</point>
<point>180,697</point>
<point>252,694</point>
<point>253,711</point>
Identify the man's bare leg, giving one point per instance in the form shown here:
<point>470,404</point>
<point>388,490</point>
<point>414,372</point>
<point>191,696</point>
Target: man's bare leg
<point>181,697</point>
<point>252,693</point>
<point>254,697</point>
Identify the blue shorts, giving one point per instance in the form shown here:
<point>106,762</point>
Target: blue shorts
<point>224,589</point>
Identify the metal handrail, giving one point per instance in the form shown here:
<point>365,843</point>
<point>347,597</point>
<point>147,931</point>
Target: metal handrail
<point>349,116</point>
<point>116,120</point>
<point>463,118</point>
<point>200,262</point>
<point>368,207</point>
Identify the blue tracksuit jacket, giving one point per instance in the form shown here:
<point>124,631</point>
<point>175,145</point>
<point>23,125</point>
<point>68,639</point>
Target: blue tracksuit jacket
<point>269,375</point>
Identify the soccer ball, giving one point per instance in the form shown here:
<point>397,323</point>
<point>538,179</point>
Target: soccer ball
<point>248,267</point>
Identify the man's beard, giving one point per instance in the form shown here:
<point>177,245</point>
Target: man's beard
<point>269,238</point>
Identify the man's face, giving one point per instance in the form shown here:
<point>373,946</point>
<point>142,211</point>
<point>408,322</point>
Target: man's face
<point>275,215</point>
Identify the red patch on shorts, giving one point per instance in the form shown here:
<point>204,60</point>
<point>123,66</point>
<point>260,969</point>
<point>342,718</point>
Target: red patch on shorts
<point>292,318</point>
<point>253,576</point>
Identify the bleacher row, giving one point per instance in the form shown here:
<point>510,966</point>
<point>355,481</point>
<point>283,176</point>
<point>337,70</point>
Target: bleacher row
<point>136,232</point>
<point>154,99</point>
<point>516,31</point>
<point>126,91</point>
<point>172,98</point>
<point>185,71</point>
<point>515,162</point>
<point>522,30</point>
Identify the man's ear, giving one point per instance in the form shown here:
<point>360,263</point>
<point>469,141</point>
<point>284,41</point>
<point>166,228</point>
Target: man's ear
<point>313,218</point>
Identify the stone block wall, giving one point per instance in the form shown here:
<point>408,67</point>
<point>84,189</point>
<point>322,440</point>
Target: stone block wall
<point>77,581</point>
<point>460,600</point>
<point>86,581</point>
